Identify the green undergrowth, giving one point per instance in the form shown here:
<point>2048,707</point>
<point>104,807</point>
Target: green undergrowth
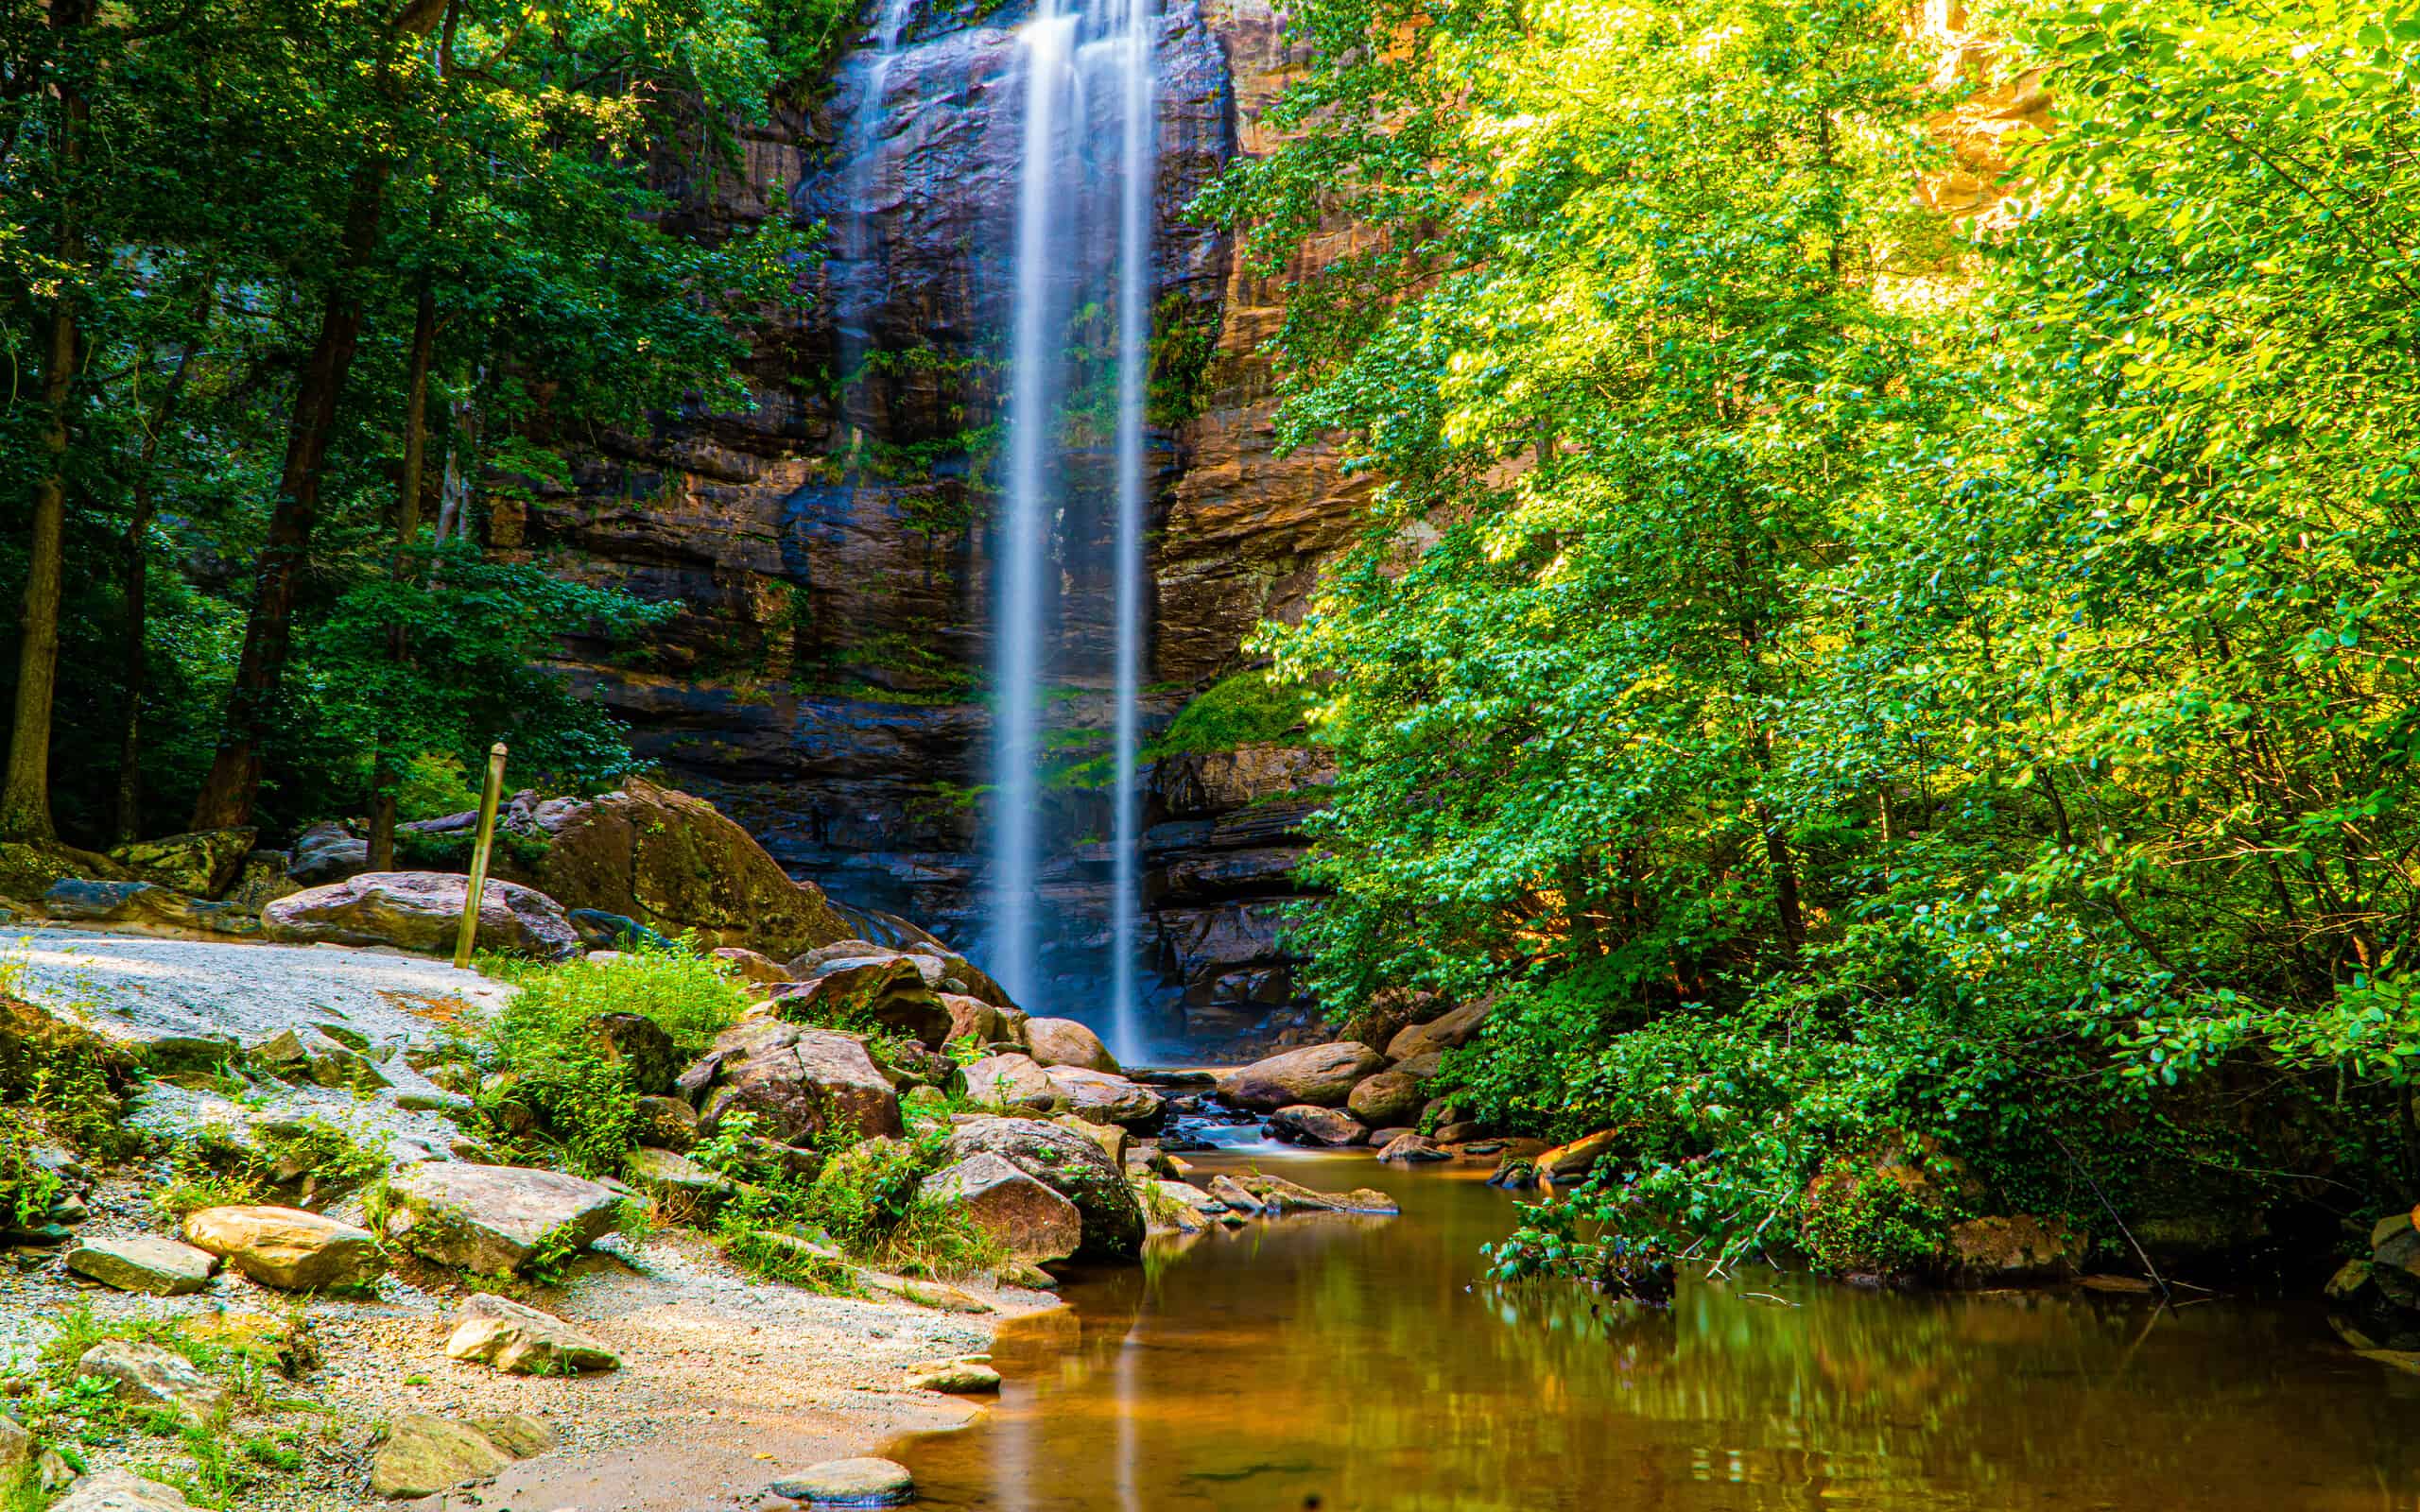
<point>313,1163</point>
<point>576,1094</point>
<point>1243,707</point>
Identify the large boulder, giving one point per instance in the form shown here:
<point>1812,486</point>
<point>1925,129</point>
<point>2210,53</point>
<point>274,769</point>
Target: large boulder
<point>1105,1098</point>
<point>326,853</point>
<point>1066,1042</point>
<point>1030,1220</point>
<point>1450,1031</point>
<point>674,863</point>
<point>798,1080</point>
<point>877,994</point>
<point>1069,1164</point>
<point>1387,1099</point>
<point>1319,1075</point>
<point>205,863</point>
<point>495,1220</point>
<point>286,1248</point>
<point>1324,1126</point>
<point>422,911</point>
<point>520,1340</point>
<point>1011,1083</point>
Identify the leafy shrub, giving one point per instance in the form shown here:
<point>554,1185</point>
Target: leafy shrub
<point>433,785</point>
<point>1243,707</point>
<point>560,1071</point>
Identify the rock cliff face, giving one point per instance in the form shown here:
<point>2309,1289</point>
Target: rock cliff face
<point>832,547</point>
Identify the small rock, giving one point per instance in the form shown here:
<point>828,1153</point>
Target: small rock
<point>751,966</point>
<point>667,1122</point>
<point>286,1248</point>
<point>956,1377</point>
<point>53,1471</point>
<point>161,1267</point>
<point>308,1055</point>
<point>850,1483</point>
<point>144,1373</point>
<point>522,1341</point>
<point>934,1295</point>
<point>16,1449</point>
<point>119,1490</point>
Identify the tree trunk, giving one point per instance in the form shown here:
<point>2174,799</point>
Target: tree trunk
<point>24,792</point>
<point>138,603</point>
<point>382,764</point>
<point>234,784</point>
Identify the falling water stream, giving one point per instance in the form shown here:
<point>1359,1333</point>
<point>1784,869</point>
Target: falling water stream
<point>1068,58</point>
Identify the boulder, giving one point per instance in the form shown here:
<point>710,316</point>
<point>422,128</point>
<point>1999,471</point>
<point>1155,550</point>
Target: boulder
<point>286,1248</point>
<point>1410,1149</point>
<point>1231,1194</point>
<point>1013,1083</point>
<point>1032,1220</point>
<point>119,1490</point>
<point>307,1054</point>
<point>145,1374</point>
<point>18,1452</point>
<point>1460,1131</point>
<point>1568,1162</point>
<point>1113,1140</point>
<point>672,862</point>
<point>751,967</point>
<point>326,853</point>
<point>79,900</point>
<point>495,1220</point>
<point>797,1080</point>
<point>520,1340</point>
<point>1388,1097</point>
<point>1320,1076</point>
<point>1450,1031</point>
<point>160,1267</point>
<point>262,881</point>
<point>1252,1191</point>
<point>422,911</point>
<point>424,1455</point>
<point>1066,1042</point>
<point>849,1483</point>
<point>2016,1249</point>
<point>1104,1097</point>
<point>675,1181</point>
<point>205,863</point>
<point>1069,1164</point>
<point>667,1122</point>
<point>1421,1068</point>
<point>639,1045</point>
<point>1322,1127</point>
<point>971,1017</point>
<point>600,931</point>
<point>885,993</point>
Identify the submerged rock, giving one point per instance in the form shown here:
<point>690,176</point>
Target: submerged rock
<point>422,911</point>
<point>865,1481</point>
<point>1319,1075</point>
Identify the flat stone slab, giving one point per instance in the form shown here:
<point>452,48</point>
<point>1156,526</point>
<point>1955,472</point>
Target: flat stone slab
<point>520,1340</point>
<point>495,1220</point>
<point>159,1267</point>
<point>286,1248</point>
<point>956,1377</point>
<point>866,1481</point>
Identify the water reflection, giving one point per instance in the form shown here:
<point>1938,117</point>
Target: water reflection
<point>1353,1363</point>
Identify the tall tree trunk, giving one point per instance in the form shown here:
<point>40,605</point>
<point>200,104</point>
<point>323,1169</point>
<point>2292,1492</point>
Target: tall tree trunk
<point>233,787</point>
<point>382,766</point>
<point>24,792</point>
<point>234,784</point>
<point>138,603</point>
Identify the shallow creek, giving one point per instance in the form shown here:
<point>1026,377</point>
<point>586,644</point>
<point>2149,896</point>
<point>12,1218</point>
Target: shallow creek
<point>1355,1365</point>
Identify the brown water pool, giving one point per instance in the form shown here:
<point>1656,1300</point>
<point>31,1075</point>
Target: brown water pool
<point>1358,1365</point>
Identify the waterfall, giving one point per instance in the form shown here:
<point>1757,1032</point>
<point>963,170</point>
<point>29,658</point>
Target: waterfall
<point>1069,166</point>
<point>1133,363</point>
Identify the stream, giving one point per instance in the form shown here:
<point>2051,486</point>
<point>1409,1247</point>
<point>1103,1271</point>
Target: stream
<point>1360,1363</point>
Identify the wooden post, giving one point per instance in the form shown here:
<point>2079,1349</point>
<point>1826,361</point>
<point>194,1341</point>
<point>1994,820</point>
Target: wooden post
<point>488,800</point>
